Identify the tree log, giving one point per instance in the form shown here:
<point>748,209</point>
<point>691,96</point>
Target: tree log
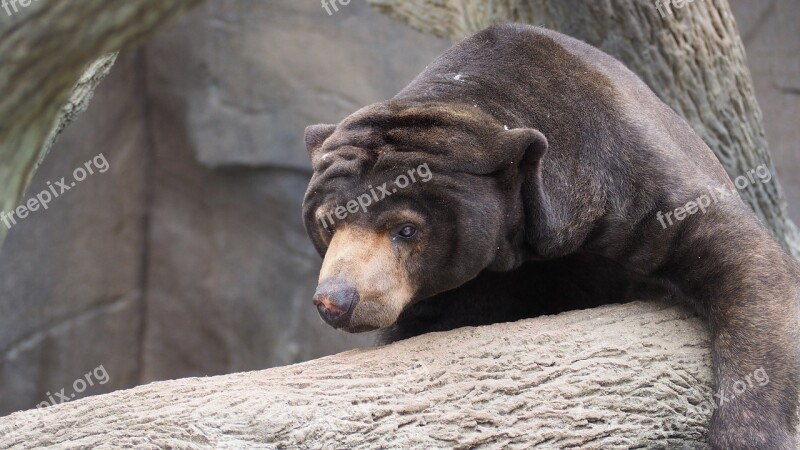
<point>619,376</point>
<point>46,47</point>
<point>692,58</point>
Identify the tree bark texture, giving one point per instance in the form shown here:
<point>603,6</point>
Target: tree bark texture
<point>619,376</point>
<point>692,58</point>
<point>45,50</point>
<point>79,98</point>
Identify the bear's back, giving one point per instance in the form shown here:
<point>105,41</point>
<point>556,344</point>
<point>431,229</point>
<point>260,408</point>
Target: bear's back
<point>585,101</point>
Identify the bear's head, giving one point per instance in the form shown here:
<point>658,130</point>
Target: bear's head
<point>410,199</point>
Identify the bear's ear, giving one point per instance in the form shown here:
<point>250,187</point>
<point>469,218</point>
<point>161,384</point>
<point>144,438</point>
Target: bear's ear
<point>505,149</point>
<point>317,134</point>
<point>525,145</point>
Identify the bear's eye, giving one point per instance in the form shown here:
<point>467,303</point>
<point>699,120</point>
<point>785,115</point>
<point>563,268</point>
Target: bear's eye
<point>407,231</point>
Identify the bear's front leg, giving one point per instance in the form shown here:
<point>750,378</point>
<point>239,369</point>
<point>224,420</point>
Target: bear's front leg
<point>747,288</point>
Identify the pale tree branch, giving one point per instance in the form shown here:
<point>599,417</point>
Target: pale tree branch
<point>619,376</point>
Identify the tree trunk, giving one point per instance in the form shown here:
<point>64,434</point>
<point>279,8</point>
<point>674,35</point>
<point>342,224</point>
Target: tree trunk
<point>47,50</point>
<point>692,58</point>
<point>619,376</point>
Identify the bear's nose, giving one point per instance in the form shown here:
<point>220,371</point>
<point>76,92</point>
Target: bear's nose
<point>335,300</point>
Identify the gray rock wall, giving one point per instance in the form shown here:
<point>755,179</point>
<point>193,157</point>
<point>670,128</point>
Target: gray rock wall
<point>70,276</point>
<point>189,257</point>
<point>771,34</point>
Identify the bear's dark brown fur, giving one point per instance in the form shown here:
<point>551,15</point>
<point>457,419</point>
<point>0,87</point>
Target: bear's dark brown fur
<point>549,163</point>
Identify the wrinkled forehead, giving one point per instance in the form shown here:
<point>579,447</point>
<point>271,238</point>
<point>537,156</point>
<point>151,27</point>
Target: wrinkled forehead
<point>393,134</point>
<point>402,185</point>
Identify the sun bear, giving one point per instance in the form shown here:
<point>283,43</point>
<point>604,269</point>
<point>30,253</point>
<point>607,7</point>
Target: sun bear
<point>551,167</point>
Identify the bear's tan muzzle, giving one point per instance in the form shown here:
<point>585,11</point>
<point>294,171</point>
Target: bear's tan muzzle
<point>362,284</point>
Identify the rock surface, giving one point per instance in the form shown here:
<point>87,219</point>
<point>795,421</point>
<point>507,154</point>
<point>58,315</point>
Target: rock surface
<point>70,283</point>
<point>771,37</point>
<point>189,257</point>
